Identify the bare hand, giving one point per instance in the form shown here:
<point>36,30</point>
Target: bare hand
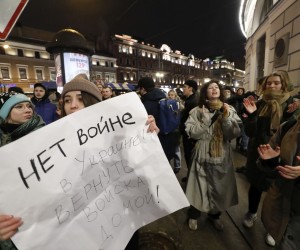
<point>226,110</point>
<point>152,124</point>
<point>9,226</point>
<point>266,152</point>
<point>293,106</point>
<point>289,172</point>
<point>249,104</point>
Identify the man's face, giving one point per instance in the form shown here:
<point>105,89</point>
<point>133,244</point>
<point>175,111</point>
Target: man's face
<point>39,92</point>
<point>187,90</point>
<point>106,93</point>
<point>142,91</point>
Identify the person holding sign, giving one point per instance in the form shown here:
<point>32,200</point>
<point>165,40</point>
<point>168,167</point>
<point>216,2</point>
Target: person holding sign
<point>17,119</point>
<point>211,186</point>
<point>80,93</point>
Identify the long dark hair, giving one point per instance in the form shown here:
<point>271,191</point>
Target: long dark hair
<point>203,93</point>
<point>88,100</point>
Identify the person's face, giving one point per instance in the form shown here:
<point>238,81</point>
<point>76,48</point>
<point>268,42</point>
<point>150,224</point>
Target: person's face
<point>240,92</point>
<point>20,113</point>
<point>100,87</point>
<point>213,91</point>
<point>274,82</point>
<point>171,95</point>
<point>106,93</point>
<point>226,93</point>
<point>187,90</point>
<point>73,102</point>
<point>39,92</point>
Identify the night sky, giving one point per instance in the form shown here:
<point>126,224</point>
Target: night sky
<point>206,29</point>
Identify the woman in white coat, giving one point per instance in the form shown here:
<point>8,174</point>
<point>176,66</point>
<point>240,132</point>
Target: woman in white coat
<point>211,186</point>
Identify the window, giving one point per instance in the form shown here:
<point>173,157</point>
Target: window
<point>52,75</point>
<point>39,74</point>
<point>2,51</point>
<point>5,72</point>
<point>23,73</point>
<point>112,64</point>
<point>37,54</point>
<point>20,52</point>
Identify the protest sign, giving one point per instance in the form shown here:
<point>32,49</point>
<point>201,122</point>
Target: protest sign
<point>89,180</point>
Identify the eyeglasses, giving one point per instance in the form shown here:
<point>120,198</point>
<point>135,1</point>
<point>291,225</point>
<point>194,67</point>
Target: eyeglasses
<point>21,107</point>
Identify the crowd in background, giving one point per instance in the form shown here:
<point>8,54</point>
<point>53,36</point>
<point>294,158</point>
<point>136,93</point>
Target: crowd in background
<point>212,118</point>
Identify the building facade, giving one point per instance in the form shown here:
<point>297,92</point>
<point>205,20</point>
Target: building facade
<point>167,67</point>
<point>272,29</point>
<point>25,61</point>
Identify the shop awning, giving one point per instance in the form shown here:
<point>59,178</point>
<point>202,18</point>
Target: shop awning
<point>50,85</point>
<point>122,86</point>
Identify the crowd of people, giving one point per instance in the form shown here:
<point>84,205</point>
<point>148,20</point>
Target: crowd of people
<point>263,124</point>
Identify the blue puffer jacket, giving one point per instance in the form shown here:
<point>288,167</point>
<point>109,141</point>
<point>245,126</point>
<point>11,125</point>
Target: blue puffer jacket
<point>45,109</point>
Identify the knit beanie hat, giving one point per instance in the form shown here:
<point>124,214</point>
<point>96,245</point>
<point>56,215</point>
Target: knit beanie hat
<point>7,102</point>
<point>192,83</point>
<point>81,83</point>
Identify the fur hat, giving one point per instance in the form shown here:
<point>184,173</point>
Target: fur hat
<point>147,83</point>
<point>7,102</point>
<point>192,83</point>
<point>81,83</point>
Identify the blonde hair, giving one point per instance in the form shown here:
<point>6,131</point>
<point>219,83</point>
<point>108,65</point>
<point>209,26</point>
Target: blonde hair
<point>173,91</point>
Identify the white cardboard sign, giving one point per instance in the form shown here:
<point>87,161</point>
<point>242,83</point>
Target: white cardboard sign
<point>89,180</point>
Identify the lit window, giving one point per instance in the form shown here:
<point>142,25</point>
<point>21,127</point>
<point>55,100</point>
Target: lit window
<point>39,74</point>
<point>23,73</point>
<point>5,72</point>
<point>52,75</point>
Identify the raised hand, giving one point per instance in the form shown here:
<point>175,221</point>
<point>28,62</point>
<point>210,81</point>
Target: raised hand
<point>225,110</point>
<point>266,152</point>
<point>249,104</point>
<point>293,106</point>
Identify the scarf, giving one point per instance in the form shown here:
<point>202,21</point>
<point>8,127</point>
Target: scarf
<point>24,129</point>
<point>273,109</point>
<point>216,143</point>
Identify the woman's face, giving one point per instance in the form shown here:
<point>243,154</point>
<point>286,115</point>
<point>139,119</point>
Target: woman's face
<point>20,113</point>
<point>274,82</point>
<point>172,95</point>
<point>213,91</point>
<point>73,102</point>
